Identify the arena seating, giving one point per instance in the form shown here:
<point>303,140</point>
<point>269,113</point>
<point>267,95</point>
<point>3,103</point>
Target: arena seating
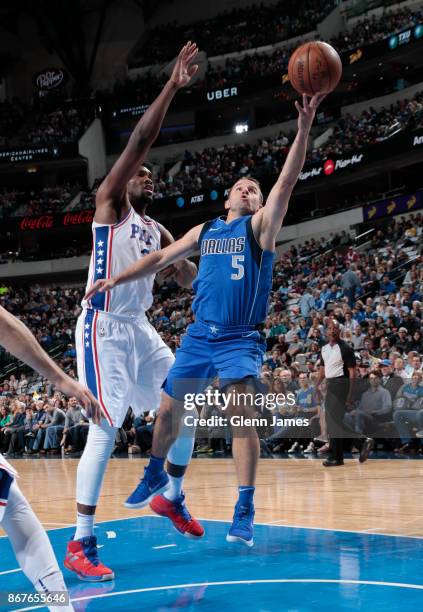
<point>387,307</point>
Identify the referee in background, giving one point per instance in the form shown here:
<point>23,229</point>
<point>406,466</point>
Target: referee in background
<point>337,366</point>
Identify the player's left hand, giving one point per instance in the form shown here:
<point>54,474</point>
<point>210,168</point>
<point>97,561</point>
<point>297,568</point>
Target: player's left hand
<point>101,285</point>
<point>307,111</point>
<point>183,71</point>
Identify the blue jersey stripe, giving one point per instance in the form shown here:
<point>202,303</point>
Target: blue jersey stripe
<point>100,255</point>
<point>90,375</point>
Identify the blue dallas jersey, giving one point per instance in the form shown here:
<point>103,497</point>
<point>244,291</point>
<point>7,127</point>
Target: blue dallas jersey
<point>235,274</point>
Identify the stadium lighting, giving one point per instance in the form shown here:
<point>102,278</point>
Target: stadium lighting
<point>241,127</point>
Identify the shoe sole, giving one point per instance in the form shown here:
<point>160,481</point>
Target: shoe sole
<point>145,503</point>
<point>86,578</point>
<point>231,538</point>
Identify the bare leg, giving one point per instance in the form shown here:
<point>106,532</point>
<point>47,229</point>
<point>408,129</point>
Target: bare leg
<point>167,425</point>
<point>245,445</point>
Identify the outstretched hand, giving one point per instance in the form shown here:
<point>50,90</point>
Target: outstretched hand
<point>307,111</point>
<point>72,388</point>
<point>100,286</point>
<point>183,71</point>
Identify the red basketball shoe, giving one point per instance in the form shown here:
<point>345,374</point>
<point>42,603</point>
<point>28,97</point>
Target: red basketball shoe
<point>177,512</point>
<point>82,558</point>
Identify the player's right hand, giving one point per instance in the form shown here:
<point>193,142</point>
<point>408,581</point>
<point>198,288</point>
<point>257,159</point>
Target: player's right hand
<point>100,286</point>
<point>72,388</point>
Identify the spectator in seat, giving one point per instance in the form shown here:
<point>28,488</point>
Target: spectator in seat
<point>399,369</point>
<point>306,303</point>
<point>41,426</point>
<point>5,418</point>
<point>357,338</point>
<point>288,381</point>
<point>416,342</point>
<point>390,380</point>
<point>143,429</point>
<point>296,346</point>
<point>55,428</point>
<point>8,435</point>
<point>409,412</point>
<point>387,286</point>
<point>414,363</point>
<point>350,283</point>
<point>22,384</point>
<point>375,407</point>
<point>75,432</point>
<point>275,360</point>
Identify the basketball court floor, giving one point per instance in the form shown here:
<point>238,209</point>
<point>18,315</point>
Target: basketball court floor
<point>348,538</point>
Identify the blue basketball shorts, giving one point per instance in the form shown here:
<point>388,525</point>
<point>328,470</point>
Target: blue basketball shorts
<point>209,351</point>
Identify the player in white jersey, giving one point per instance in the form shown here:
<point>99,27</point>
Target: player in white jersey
<point>28,538</point>
<point>121,357</point>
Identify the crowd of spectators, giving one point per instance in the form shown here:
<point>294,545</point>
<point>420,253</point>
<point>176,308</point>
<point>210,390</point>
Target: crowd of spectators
<point>235,30</point>
<point>374,292</point>
<point>22,124</point>
<point>366,31</point>
<point>215,167</point>
<point>375,28</point>
<point>59,126</point>
<point>44,201</point>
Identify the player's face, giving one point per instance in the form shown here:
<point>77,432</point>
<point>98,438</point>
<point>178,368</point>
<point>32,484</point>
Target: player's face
<point>140,188</point>
<point>245,197</point>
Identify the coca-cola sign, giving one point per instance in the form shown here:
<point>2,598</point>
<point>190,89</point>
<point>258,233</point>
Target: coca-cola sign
<point>42,222</point>
<point>50,78</point>
<point>78,218</point>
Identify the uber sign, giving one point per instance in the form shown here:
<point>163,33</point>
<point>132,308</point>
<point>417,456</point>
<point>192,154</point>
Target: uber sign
<point>219,94</point>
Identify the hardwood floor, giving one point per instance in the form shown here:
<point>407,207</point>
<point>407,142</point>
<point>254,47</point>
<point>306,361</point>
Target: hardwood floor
<point>380,496</point>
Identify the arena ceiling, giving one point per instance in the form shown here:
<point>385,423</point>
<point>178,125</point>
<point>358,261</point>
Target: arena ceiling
<point>71,28</point>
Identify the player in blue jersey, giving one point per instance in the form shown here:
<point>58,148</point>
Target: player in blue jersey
<point>231,295</point>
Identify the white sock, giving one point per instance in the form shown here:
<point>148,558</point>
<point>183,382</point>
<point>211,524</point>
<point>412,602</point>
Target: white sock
<point>175,488</point>
<point>84,526</point>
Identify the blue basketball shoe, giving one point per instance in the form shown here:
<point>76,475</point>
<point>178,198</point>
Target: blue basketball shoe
<point>242,525</point>
<point>151,485</point>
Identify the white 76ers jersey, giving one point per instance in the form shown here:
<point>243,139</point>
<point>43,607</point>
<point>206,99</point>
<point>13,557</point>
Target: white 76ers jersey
<point>115,247</point>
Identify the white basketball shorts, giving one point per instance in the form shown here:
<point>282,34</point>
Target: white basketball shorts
<point>122,360</point>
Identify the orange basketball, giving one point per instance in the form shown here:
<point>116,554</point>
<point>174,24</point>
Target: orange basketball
<point>315,67</point>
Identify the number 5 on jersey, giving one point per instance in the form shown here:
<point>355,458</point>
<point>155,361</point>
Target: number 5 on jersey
<point>238,266</point>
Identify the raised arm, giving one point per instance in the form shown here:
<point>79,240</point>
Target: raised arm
<point>152,263</point>
<point>183,271</point>
<point>18,340</point>
<point>269,219</point>
<point>110,194</point>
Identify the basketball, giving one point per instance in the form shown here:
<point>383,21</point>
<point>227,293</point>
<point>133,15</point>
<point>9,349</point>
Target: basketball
<point>315,67</point>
